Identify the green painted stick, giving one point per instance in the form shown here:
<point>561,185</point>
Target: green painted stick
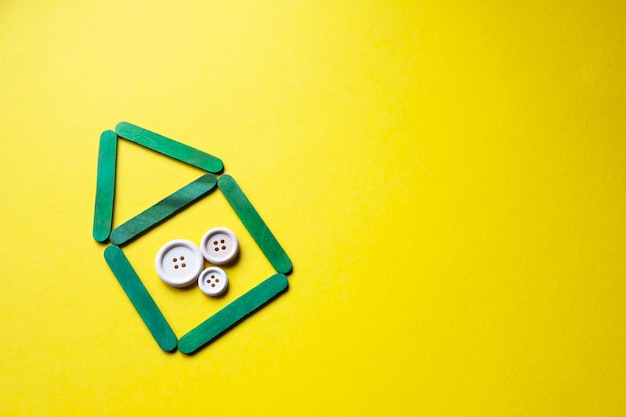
<point>232,314</point>
<point>255,224</point>
<point>105,186</point>
<point>162,210</point>
<point>141,299</point>
<point>169,147</point>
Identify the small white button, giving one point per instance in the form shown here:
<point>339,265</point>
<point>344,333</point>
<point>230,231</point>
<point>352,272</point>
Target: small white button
<point>219,245</point>
<point>179,262</point>
<point>213,281</point>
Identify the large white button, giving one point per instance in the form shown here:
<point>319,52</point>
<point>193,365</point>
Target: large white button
<point>213,281</point>
<point>219,245</point>
<point>179,262</point>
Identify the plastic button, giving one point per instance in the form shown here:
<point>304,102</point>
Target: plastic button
<point>213,281</point>
<point>179,262</point>
<point>219,245</point>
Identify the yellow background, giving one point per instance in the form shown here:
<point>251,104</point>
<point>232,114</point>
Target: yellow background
<point>447,177</point>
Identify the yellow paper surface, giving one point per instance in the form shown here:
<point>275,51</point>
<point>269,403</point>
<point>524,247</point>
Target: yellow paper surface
<point>448,179</point>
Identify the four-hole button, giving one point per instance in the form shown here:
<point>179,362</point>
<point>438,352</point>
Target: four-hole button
<point>213,281</point>
<point>219,245</point>
<point>179,262</point>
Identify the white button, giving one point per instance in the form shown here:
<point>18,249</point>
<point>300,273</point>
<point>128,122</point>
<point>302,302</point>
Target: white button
<point>219,245</point>
<point>213,281</point>
<point>179,262</point>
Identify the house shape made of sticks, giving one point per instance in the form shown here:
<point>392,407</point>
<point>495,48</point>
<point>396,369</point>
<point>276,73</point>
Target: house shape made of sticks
<point>236,311</point>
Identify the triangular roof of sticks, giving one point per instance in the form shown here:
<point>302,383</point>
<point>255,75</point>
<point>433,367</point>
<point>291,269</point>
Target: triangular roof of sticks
<point>105,188</point>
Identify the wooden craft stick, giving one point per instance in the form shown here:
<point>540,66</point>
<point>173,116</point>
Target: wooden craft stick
<point>169,147</point>
<point>232,314</point>
<point>140,298</point>
<point>162,210</point>
<point>105,186</point>
<point>255,224</point>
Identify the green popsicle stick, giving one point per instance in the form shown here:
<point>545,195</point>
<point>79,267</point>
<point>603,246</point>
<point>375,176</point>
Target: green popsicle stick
<point>162,210</point>
<point>105,186</point>
<point>255,224</point>
<point>141,299</point>
<point>232,314</point>
<point>169,147</point>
